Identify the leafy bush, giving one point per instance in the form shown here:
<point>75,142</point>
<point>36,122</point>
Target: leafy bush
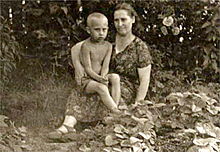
<point>9,53</point>
<point>184,35</point>
<point>182,32</point>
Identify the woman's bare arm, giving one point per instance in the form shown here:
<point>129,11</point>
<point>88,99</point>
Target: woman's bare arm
<point>144,78</point>
<point>105,66</point>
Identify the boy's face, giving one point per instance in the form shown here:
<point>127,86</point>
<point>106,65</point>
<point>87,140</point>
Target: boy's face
<point>98,29</point>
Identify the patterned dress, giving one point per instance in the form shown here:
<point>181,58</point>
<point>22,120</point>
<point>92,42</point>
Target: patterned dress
<point>85,107</point>
<point>125,63</point>
<point>89,107</point>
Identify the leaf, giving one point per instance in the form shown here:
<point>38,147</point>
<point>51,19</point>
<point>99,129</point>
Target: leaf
<point>22,129</point>
<point>206,128</point>
<point>84,148</point>
<point>213,110</point>
<point>206,24</point>
<point>65,10</point>
<point>205,142</point>
<point>144,135</point>
<point>201,149</point>
<point>53,8</point>
<point>110,141</point>
<point>40,33</point>
<point>137,149</point>
<point>206,61</point>
<point>159,84</point>
<point>139,120</point>
<point>37,11</point>
<point>199,127</point>
<point>119,128</point>
<point>127,150</point>
<point>174,96</point>
<point>27,147</point>
<point>196,108</point>
<point>135,140</point>
<point>2,121</point>
<point>117,149</point>
<point>210,101</point>
<point>158,105</point>
<point>120,136</point>
<point>190,131</point>
<point>217,131</point>
<point>125,143</point>
<point>17,148</point>
<point>123,107</point>
<point>60,21</point>
<point>107,149</point>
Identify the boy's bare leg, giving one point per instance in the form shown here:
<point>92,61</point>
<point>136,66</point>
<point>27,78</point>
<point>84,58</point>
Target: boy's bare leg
<point>103,91</point>
<point>114,79</point>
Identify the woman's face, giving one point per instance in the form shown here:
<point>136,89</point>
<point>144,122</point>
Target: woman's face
<point>123,22</point>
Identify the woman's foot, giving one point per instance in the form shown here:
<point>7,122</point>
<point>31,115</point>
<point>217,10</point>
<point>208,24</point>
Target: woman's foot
<point>62,130</point>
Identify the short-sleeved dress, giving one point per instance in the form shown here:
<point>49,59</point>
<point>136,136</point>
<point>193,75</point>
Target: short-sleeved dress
<point>87,108</point>
<point>136,55</point>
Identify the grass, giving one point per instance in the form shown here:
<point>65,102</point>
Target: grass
<point>35,97</point>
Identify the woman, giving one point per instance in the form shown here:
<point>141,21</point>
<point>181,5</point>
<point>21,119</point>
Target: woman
<point>130,59</point>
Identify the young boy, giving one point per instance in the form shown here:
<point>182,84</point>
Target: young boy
<point>95,57</point>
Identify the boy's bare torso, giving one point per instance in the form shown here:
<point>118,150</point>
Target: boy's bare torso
<point>98,52</point>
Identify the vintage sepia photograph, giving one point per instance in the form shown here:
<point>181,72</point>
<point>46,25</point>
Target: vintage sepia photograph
<point>110,76</point>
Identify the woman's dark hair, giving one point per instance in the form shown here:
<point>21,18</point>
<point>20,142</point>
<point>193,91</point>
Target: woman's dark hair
<point>128,8</point>
<point>131,12</point>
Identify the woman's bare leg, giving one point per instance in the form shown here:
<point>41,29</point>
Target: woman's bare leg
<point>114,79</point>
<point>69,121</point>
<point>103,92</point>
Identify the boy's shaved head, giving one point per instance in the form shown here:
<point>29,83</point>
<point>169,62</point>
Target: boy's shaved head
<point>94,16</point>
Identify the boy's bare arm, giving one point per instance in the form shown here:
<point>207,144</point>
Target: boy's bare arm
<point>87,63</point>
<point>105,66</point>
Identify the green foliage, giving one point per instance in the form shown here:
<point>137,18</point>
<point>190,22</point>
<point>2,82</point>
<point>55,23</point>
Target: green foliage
<point>184,35</point>
<point>9,53</point>
<point>177,32</point>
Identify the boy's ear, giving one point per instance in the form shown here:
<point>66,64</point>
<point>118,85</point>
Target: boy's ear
<point>87,30</point>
